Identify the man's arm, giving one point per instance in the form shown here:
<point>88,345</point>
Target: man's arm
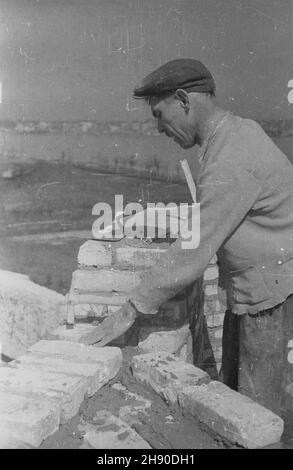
<point>226,195</point>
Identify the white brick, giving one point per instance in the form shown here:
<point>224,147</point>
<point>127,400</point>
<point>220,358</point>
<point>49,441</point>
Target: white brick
<point>138,257</point>
<point>111,357</point>
<point>91,305</point>
<point>112,309</point>
<point>219,333</point>
<point>170,341</point>
<point>27,312</point>
<point>90,310</point>
<point>105,280</point>
<point>214,260</point>
<point>97,298</point>
<point>183,354</point>
<point>218,351</point>
<point>211,273</point>
<point>232,415</point>
<point>26,419</point>
<point>96,374</point>
<point>109,432</point>
<point>67,391</point>
<point>211,289</point>
<point>215,320</point>
<point>95,253</point>
<point>212,307</point>
<point>166,374</point>
<point>71,334</point>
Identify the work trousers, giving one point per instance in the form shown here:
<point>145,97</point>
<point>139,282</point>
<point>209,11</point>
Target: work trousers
<point>258,356</point>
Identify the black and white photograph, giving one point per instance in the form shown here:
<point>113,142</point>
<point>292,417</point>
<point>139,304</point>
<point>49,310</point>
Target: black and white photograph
<point>146,227</point>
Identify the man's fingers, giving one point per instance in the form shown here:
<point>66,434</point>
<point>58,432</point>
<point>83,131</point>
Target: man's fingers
<point>103,342</point>
<point>97,335</point>
<point>112,327</point>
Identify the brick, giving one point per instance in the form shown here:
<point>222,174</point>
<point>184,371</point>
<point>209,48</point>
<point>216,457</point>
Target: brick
<point>213,260</point>
<point>110,357</point>
<point>95,306</point>
<point>105,280</point>
<point>96,374</point>
<point>109,432</point>
<point>138,257</point>
<point>222,295</point>
<point>90,310</point>
<point>26,419</point>
<point>83,311</point>
<point>212,306</point>
<point>112,309</point>
<point>211,273</point>
<point>218,334</point>
<point>97,298</point>
<point>232,415</point>
<point>166,374</point>
<point>211,289</point>
<point>74,334</point>
<point>68,391</point>
<point>186,353</point>
<point>216,344</point>
<point>170,341</point>
<point>215,320</point>
<point>95,253</point>
<point>27,312</point>
<point>218,351</point>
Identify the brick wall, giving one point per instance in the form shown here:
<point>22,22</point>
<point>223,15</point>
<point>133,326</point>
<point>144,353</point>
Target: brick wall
<point>108,271</point>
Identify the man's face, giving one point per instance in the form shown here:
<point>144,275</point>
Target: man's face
<point>173,120</point>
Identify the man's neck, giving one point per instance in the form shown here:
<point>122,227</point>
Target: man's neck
<point>209,123</point>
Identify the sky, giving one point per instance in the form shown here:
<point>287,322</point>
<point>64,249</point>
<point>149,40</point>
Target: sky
<point>80,60</point>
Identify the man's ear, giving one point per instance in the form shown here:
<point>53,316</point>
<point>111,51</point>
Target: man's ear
<point>183,97</point>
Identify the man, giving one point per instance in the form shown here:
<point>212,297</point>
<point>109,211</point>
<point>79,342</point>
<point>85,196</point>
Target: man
<point>245,187</point>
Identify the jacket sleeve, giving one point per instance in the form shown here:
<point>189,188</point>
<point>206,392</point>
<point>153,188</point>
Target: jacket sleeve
<point>226,194</point>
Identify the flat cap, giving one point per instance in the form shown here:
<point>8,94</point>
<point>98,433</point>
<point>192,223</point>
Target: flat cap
<point>178,73</point>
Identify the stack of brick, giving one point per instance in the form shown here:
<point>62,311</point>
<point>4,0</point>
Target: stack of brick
<point>234,417</point>
<point>108,271</point>
<point>45,387</point>
<point>215,304</point>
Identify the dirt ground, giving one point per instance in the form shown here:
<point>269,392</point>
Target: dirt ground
<point>59,198</point>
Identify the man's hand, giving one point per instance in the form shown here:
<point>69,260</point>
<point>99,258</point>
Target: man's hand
<point>112,327</point>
